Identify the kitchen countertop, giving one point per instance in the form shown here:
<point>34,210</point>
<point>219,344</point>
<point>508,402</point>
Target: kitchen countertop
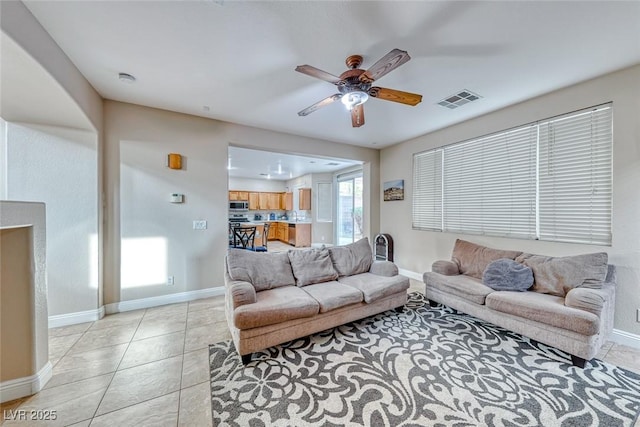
<point>288,221</point>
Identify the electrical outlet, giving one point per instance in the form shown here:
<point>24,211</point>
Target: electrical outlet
<point>638,316</point>
<point>200,225</point>
<point>171,281</point>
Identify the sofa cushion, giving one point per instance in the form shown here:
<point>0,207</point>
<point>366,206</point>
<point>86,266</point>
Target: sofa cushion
<point>547,309</point>
<point>354,258</point>
<point>275,306</point>
<point>505,274</point>
<point>558,275</point>
<point>472,259</point>
<point>263,270</point>
<point>466,287</point>
<point>375,287</point>
<point>312,266</point>
<point>332,295</point>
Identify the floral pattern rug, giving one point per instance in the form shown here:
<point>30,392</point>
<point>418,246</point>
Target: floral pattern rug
<point>422,367</point>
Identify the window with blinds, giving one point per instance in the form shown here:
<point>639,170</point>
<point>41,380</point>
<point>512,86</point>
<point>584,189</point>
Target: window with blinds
<point>549,180</point>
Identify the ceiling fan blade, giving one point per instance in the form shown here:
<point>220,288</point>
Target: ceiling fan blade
<point>320,104</point>
<point>395,95</point>
<point>386,64</point>
<point>357,116</point>
<point>318,73</point>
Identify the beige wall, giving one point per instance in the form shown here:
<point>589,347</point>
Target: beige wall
<point>416,250</point>
<point>137,186</point>
<point>16,303</point>
<point>32,253</point>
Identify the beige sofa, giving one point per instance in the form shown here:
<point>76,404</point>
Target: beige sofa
<point>272,298</point>
<point>570,305</point>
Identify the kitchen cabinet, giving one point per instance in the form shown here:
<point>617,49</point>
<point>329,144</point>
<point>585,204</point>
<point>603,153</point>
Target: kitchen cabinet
<point>239,195</point>
<point>273,201</point>
<point>304,199</point>
<point>283,232</point>
<point>287,201</point>
<point>264,200</point>
<point>273,231</point>
<point>254,201</point>
<point>302,236</point>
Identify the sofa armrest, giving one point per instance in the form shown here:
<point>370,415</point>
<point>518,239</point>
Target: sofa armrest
<point>383,268</point>
<point>446,268</point>
<point>241,293</point>
<point>591,300</point>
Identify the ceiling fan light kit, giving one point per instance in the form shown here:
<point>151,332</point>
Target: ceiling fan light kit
<point>354,85</point>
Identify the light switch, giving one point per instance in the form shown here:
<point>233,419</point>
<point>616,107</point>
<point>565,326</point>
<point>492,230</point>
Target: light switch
<point>200,224</point>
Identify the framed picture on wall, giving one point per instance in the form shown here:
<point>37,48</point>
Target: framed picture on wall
<point>393,190</point>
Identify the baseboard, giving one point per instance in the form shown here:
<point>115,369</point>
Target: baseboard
<point>75,318</point>
<point>26,386</point>
<point>410,274</point>
<point>625,338</point>
<point>138,304</point>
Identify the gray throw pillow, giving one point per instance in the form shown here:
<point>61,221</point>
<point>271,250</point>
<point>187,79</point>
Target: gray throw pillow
<point>558,275</point>
<point>264,270</point>
<point>507,275</point>
<point>312,266</point>
<point>354,258</point>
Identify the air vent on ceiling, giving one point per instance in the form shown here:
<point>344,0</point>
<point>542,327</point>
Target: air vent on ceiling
<point>264,174</point>
<point>333,164</point>
<point>459,99</point>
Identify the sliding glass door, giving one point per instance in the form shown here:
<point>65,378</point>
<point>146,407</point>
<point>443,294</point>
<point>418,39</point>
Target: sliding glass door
<point>350,213</point>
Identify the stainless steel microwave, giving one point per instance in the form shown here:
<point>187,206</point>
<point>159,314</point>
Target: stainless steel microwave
<point>238,206</point>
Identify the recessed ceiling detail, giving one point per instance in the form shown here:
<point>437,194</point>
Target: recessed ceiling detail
<point>459,99</point>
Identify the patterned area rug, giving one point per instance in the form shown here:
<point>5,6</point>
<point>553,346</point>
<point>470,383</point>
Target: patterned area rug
<point>423,367</point>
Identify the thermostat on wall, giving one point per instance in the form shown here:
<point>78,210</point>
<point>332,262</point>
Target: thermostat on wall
<point>176,198</point>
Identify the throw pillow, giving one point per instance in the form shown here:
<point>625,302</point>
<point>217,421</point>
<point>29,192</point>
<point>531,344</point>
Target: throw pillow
<point>472,259</point>
<point>507,275</point>
<point>312,266</point>
<point>558,275</point>
<point>354,258</point>
<point>263,270</point>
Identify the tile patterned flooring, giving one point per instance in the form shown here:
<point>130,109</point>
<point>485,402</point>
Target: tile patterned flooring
<point>150,368</point>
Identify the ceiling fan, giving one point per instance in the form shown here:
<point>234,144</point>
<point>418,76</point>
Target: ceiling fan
<point>354,85</point>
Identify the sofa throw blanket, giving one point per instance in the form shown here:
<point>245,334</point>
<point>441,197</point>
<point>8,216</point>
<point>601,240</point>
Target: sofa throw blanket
<point>472,259</point>
<point>558,275</point>
<point>506,274</point>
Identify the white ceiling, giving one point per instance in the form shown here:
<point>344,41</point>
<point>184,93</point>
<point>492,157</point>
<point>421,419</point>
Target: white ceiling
<point>257,164</point>
<point>238,58</point>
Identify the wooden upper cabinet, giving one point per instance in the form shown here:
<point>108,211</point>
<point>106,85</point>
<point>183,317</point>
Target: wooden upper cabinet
<point>273,201</point>
<point>239,195</point>
<point>254,201</point>
<point>287,201</point>
<point>304,199</point>
<point>263,200</point>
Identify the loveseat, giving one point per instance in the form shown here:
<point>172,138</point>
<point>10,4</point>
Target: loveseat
<point>568,302</point>
<point>272,298</point>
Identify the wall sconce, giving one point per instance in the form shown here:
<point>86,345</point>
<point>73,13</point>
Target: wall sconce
<point>174,161</point>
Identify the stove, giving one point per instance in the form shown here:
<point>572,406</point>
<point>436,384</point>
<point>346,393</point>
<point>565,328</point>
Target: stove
<point>238,218</point>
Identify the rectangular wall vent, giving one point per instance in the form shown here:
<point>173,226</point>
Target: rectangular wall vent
<point>459,99</point>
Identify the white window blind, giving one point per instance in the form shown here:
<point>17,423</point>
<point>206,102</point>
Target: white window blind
<point>325,206</point>
<point>489,185</point>
<point>427,190</point>
<point>550,180</point>
<point>575,177</point>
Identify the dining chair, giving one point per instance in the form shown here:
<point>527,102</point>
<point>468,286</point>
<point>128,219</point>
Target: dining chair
<point>265,239</point>
<point>244,237</point>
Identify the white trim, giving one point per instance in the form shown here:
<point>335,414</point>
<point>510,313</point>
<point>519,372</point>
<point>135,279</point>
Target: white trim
<point>625,338</point>
<point>75,318</point>
<point>25,386</point>
<point>410,274</point>
<point>138,304</point>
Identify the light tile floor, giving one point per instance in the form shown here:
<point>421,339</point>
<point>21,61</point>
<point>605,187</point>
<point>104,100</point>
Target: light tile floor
<point>150,368</point>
